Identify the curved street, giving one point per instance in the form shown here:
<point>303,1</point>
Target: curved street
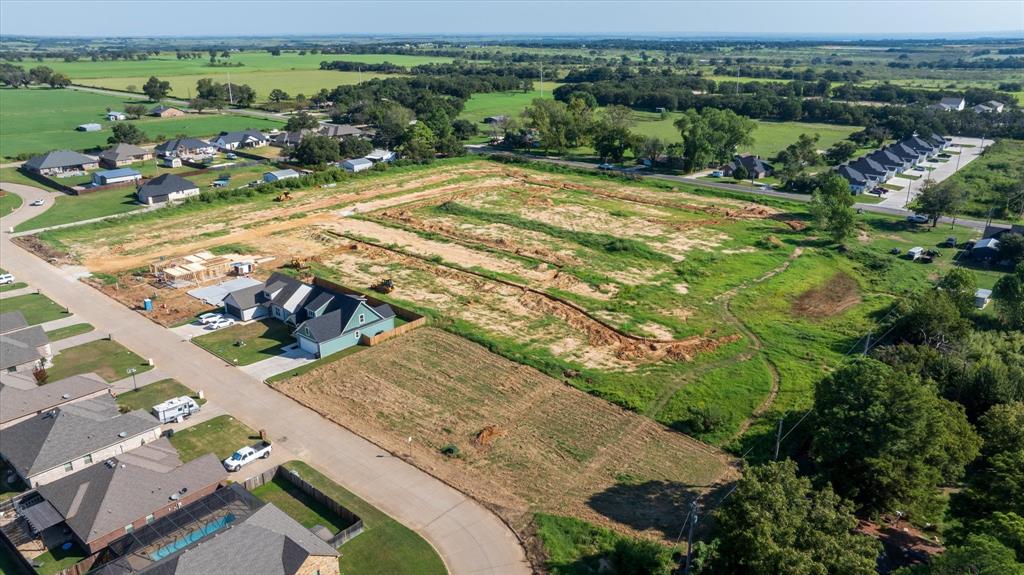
<point>469,538</point>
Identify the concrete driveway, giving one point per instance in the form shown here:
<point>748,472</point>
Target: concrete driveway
<point>969,149</point>
<point>293,357</point>
<point>469,538</point>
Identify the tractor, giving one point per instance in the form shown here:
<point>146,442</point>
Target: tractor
<point>383,286</point>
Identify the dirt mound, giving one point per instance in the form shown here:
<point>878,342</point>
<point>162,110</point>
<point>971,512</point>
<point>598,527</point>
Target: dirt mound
<point>487,436</point>
<point>833,297</point>
<point>42,249</point>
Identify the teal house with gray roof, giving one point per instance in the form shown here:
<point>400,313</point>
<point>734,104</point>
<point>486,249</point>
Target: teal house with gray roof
<point>325,322</point>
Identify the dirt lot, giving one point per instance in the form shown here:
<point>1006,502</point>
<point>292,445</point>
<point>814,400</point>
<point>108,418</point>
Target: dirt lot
<point>522,437</point>
<point>833,297</point>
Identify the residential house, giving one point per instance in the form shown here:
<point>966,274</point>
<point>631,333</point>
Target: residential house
<point>951,104</point>
<point>990,107</point>
<point>113,498</point>
<point>919,144</point>
<point>889,160</point>
<point>872,170</point>
<point>378,155</point>
<point>985,250</point>
<point>339,131</point>
<point>997,230</point>
<point>326,322</point>
<point>60,162</point>
<point>58,442</point>
<point>982,297</point>
<point>756,167</point>
<point>188,149</point>
<point>280,175</point>
<point>231,532</point>
<point>908,153</point>
<point>22,347</point>
<point>858,182</point>
<point>356,165</point>
<point>91,127</point>
<point>937,140</point>
<point>166,188</point>
<point>118,176</point>
<point>243,139</point>
<point>123,155</point>
<point>166,112</point>
<point>18,404</point>
<point>114,116</point>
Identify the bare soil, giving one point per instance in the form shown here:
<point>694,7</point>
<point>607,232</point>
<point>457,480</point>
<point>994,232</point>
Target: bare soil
<point>524,438</point>
<point>833,297</point>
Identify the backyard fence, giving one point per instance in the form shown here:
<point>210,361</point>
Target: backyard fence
<point>320,497</point>
<point>413,319</point>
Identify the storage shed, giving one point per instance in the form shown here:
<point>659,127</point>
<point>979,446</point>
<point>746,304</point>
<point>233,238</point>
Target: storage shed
<point>119,176</point>
<point>89,127</point>
<point>357,165</point>
<point>985,249</point>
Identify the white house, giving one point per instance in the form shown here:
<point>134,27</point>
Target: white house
<point>280,175</point>
<point>990,107</point>
<point>378,155</point>
<point>113,116</point>
<point>951,104</point>
<point>357,165</point>
<point>243,139</point>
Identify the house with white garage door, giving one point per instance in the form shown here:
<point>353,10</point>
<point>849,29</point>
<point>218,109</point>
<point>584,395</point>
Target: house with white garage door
<point>325,322</point>
<point>166,188</point>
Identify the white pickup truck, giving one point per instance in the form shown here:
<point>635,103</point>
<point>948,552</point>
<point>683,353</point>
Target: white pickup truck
<point>247,455</point>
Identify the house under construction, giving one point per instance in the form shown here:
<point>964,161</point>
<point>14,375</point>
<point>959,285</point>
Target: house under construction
<point>191,269</point>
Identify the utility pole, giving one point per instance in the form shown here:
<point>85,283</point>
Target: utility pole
<point>542,80</point>
<point>689,536</point>
<point>778,438</point>
<point>867,344</point>
<point>231,98</point>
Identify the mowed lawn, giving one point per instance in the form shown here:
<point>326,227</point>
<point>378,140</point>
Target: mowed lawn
<point>106,358</point>
<point>38,120</point>
<point>37,308</point>
<point>510,104</point>
<point>157,392</point>
<point>385,547</point>
<point>67,209</point>
<point>8,202</point>
<point>769,137</point>
<point>260,340</point>
<point>222,435</point>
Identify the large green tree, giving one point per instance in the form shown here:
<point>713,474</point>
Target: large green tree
<point>553,124</point>
<point>126,134</point>
<point>832,207</point>
<point>960,284</point>
<point>712,136</point>
<point>1008,294</point>
<point>156,88</point>
<point>888,441</point>
<point>316,150</point>
<point>301,121</point>
<point>777,522</point>
<point>938,200</point>
<point>979,555</point>
<point>418,143</point>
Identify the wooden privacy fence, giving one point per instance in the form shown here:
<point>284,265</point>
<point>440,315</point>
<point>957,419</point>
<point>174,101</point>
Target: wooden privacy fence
<point>320,497</point>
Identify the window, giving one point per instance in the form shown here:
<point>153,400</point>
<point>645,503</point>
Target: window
<point>129,528</point>
<point>362,319</point>
<point>88,459</point>
<point>149,519</point>
<point>357,335</point>
<point>69,466</point>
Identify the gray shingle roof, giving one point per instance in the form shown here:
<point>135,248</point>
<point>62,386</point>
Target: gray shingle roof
<point>867,166</point>
<point>104,498</point>
<point>179,144</point>
<point>68,433</point>
<point>268,542</point>
<point>852,175</point>
<point>21,346</point>
<point>59,159</point>
<point>235,137</point>
<point>332,324</point>
<point>12,320</point>
<point>164,185</point>
<point>245,298</point>
<point>122,152</point>
<point>15,402</point>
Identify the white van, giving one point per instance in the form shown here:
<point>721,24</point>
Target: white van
<point>175,410</point>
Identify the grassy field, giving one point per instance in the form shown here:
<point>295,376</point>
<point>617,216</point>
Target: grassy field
<point>36,308</point>
<point>261,340</point>
<point>385,546</point>
<point>69,331</point>
<point>67,209</point>
<point>8,202</point>
<point>108,359</point>
<point>999,168</point>
<point>157,392</point>
<point>299,506</point>
<point>769,137</point>
<point>575,547</point>
<point>222,435</point>
<point>510,104</point>
<point>38,120</point>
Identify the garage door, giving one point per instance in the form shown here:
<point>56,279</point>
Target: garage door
<point>308,346</point>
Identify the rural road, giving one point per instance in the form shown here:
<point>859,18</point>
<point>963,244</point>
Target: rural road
<point>470,539</point>
<point>180,102</point>
<point>873,208</point>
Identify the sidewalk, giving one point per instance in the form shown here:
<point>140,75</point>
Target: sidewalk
<point>17,292</point>
<point>292,358</point>
<point>71,319</point>
<point>141,380</point>
<point>75,340</point>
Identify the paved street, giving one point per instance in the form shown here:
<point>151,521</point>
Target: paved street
<point>469,538</point>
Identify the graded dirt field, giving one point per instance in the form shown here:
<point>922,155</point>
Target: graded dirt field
<point>522,438</point>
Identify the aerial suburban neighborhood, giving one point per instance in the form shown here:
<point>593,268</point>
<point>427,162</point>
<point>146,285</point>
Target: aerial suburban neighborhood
<point>506,288</point>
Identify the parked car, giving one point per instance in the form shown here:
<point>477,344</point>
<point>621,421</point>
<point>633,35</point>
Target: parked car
<point>605,166</point>
<point>37,203</point>
<point>247,455</point>
<point>219,323</point>
<point>717,174</point>
<point>177,409</point>
<point>231,156</point>
<point>209,317</point>
<point>950,242</point>
<point>6,279</point>
<point>917,219</point>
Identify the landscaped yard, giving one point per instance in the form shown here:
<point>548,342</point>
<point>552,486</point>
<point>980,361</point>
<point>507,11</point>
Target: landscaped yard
<point>157,392</point>
<point>69,330</point>
<point>67,209</point>
<point>386,547</point>
<point>37,308</point>
<point>300,506</point>
<point>261,339</point>
<point>108,359</point>
<point>56,560</point>
<point>13,286</point>
<point>222,435</point>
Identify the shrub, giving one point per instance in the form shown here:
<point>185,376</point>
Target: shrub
<point>450,450</point>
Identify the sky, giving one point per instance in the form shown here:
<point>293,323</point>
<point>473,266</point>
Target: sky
<point>748,18</point>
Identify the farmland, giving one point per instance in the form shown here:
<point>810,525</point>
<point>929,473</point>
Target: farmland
<point>667,318</point>
<point>40,120</point>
